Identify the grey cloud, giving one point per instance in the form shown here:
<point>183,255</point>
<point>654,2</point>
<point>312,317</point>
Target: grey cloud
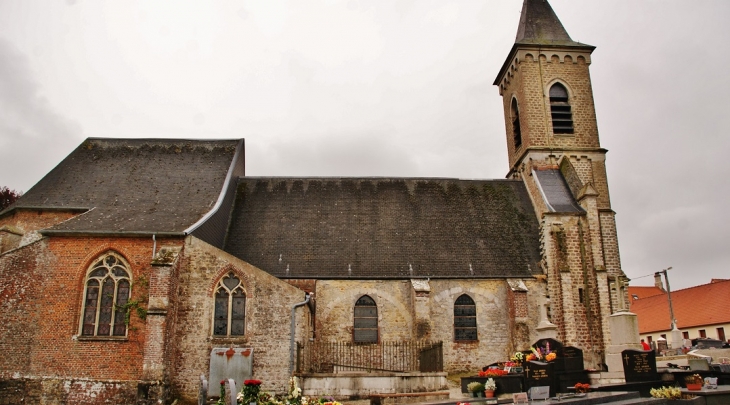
<point>29,127</point>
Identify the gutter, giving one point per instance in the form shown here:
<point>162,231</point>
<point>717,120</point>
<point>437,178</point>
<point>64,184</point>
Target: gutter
<point>293,327</point>
<point>224,190</point>
<point>124,234</point>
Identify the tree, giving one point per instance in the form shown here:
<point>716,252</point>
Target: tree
<point>8,196</point>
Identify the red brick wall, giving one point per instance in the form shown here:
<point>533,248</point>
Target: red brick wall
<point>41,288</point>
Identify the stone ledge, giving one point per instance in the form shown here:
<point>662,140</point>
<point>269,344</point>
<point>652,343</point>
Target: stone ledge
<point>407,397</point>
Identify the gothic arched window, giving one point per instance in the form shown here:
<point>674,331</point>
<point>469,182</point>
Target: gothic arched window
<point>560,110</point>
<point>366,321</point>
<point>515,115</point>
<point>106,294</point>
<point>229,317</point>
<point>465,319</point>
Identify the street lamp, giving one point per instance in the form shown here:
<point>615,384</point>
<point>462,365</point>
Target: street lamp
<point>676,337</point>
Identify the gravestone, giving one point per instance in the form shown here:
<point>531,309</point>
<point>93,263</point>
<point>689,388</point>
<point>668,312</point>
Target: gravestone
<point>539,374</point>
<point>225,363</point>
<point>203,391</point>
<point>554,346</point>
<point>573,371</point>
<point>572,358</point>
<point>231,392</point>
<point>639,365</point>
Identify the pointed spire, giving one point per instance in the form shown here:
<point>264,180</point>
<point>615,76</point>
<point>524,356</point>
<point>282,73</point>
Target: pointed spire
<point>540,25</point>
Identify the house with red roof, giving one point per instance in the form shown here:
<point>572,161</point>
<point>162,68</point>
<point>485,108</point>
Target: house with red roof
<point>702,311</point>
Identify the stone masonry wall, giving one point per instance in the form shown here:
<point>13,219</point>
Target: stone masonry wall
<point>268,310</point>
<point>396,318</point>
<point>529,81</point>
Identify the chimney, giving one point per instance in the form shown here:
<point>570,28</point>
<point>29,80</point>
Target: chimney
<point>658,281</point>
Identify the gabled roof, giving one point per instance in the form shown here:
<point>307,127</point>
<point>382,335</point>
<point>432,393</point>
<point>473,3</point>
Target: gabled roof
<point>385,228</point>
<point>135,185</point>
<point>707,304</point>
<point>539,25</point>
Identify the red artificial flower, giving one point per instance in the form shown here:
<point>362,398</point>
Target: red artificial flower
<point>252,382</point>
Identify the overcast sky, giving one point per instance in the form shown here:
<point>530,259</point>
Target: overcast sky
<point>383,88</point>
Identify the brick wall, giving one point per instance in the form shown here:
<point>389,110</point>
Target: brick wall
<point>41,291</point>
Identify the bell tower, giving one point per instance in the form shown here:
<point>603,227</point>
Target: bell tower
<point>553,147</point>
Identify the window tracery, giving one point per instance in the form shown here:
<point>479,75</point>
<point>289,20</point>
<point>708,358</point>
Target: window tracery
<point>106,293</point>
<point>230,307</point>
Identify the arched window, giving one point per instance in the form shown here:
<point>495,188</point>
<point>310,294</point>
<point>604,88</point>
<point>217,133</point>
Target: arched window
<point>516,132</point>
<point>366,321</point>
<point>230,307</point>
<point>465,319</point>
<point>560,110</point>
<point>106,293</point>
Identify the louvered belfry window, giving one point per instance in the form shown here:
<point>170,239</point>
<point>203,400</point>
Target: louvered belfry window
<point>562,116</point>
<point>230,307</point>
<point>465,319</point>
<point>516,131</point>
<point>366,321</point>
<point>107,293</point>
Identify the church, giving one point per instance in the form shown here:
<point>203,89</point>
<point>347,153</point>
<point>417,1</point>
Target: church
<point>136,266</point>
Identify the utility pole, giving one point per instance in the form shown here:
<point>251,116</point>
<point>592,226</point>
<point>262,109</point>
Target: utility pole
<point>676,334</point>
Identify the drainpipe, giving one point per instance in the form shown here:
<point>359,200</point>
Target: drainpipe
<point>293,327</point>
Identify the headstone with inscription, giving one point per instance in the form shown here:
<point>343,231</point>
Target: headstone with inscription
<point>573,371</point>
<point>572,358</point>
<point>639,365</point>
<point>539,374</point>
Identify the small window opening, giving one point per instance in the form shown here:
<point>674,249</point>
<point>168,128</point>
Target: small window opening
<point>366,321</point>
<point>516,131</point>
<point>465,319</point>
<point>560,110</point>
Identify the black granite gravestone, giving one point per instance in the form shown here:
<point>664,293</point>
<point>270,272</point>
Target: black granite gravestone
<point>639,365</point>
<point>573,371</point>
<point>572,358</point>
<point>539,374</point>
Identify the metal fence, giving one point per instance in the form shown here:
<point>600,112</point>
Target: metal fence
<point>332,357</point>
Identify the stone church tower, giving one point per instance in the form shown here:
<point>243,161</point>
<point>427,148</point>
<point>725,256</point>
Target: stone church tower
<point>553,146</point>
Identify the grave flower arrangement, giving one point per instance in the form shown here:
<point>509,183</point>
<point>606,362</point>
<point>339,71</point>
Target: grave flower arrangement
<point>249,392</point>
<point>493,372</point>
<point>475,387</point>
<point>542,354</point>
<point>666,393</point>
<point>582,388</point>
<point>518,358</point>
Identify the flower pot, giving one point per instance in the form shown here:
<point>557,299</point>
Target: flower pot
<point>694,387</point>
<point>489,393</point>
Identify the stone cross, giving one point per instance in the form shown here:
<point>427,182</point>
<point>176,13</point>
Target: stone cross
<point>621,284</point>
<point>544,321</point>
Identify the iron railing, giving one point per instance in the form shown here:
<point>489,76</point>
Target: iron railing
<point>332,357</point>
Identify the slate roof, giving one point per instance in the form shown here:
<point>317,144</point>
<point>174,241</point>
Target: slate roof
<point>135,185</point>
<point>707,304</point>
<point>382,228</point>
<point>539,25</point>
<point>555,191</point>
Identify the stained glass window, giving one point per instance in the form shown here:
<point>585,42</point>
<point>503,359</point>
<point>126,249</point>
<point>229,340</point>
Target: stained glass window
<point>107,293</point>
<point>229,316</point>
